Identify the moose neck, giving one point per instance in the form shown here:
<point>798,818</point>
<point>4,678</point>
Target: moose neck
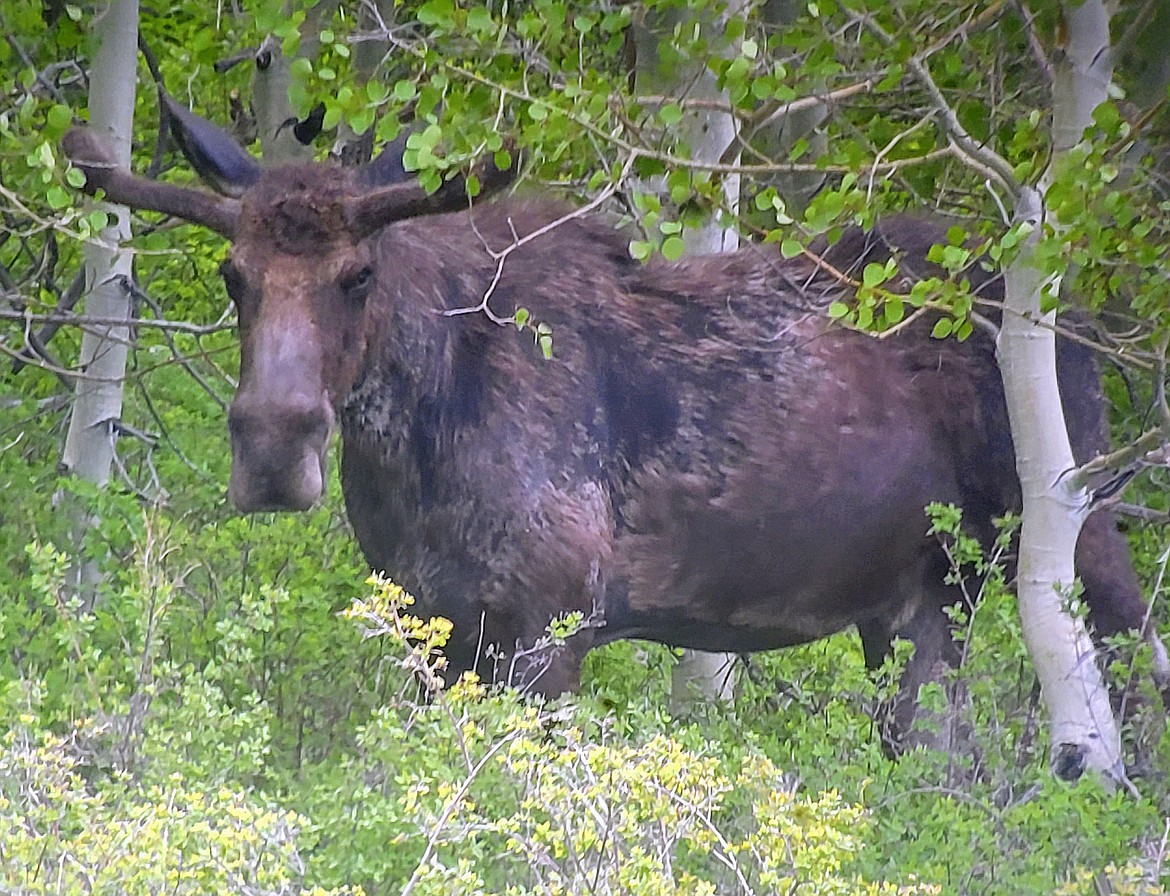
<point>416,355</point>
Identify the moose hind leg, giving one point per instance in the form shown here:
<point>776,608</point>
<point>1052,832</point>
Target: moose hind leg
<point>902,724</point>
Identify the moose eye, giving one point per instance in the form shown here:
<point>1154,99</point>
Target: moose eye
<point>357,285</point>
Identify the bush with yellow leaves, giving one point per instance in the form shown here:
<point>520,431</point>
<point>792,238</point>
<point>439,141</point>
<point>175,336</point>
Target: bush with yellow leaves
<point>64,836</point>
<point>539,798</point>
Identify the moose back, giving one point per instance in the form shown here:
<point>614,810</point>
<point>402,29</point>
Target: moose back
<point>705,461</point>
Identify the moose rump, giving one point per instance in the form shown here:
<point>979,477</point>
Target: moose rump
<point>705,461</point>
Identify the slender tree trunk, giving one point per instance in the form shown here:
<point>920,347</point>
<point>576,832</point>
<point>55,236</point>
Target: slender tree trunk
<point>698,676</point>
<point>270,103</point>
<point>1084,732</point>
<point>270,83</point>
<point>97,406</point>
<point>779,136</point>
<point>351,148</point>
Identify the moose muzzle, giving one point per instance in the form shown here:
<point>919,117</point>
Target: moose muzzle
<point>278,452</point>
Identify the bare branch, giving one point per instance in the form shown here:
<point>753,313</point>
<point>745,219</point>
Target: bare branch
<point>501,256</point>
<point>84,320</point>
<point>985,160</point>
<point>1149,441</point>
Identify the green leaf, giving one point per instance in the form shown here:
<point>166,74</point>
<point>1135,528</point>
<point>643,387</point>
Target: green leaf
<point>942,328</point>
<point>43,156</point>
<point>838,310</point>
<point>58,198</point>
<point>673,248</point>
<point>874,275</point>
<point>790,248</point>
<point>404,91</point>
<point>640,250</point>
<point>362,120</point>
<point>545,340</point>
<point>892,79</point>
<point>895,309</point>
<point>440,13</point>
<point>479,19</point>
<point>58,121</point>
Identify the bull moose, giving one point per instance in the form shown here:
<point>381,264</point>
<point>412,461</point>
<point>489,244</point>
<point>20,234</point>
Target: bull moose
<point>706,461</point>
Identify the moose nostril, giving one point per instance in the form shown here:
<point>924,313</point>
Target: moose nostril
<point>291,420</point>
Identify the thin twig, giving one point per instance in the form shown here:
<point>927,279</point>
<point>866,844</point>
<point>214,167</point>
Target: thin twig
<point>985,160</point>
<point>501,256</point>
<point>1143,444</point>
<point>449,810</point>
<point>84,320</point>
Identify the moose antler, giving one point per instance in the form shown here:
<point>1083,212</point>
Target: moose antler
<point>228,168</point>
<point>89,153</point>
<point>379,207</point>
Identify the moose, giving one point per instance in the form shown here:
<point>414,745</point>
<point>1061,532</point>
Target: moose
<point>705,461</point>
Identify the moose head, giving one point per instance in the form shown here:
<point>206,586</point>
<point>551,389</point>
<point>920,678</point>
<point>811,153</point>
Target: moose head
<point>300,271</point>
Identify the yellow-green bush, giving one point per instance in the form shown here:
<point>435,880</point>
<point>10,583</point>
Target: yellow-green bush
<point>63,835</point>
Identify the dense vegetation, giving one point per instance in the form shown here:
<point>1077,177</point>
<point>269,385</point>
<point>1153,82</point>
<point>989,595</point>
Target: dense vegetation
<point>240,711</point>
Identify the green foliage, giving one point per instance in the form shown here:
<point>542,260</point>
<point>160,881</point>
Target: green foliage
<point>504,796</point>
<point>474,791</point>
<point>64,837</point>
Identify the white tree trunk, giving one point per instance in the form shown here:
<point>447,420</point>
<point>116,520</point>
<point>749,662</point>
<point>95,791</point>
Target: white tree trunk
<point>270,83</point>
<point>270,103</point>
<point>698,677</point>
<point>97,405</point>
<point>1084,732</point>
<point>351,148</point>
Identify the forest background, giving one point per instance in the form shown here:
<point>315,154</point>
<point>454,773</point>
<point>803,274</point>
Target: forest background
<point>195,702</point>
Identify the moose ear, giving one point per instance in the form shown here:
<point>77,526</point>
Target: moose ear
<point>385,169</point>
<point>212,152</point>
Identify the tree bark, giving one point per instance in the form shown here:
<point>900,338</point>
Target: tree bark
<point>270,99</point>
<point>698,676</point>
<point>350,148</point>
<point>97,405</point>
<point>777,138</point>
<point>270,103</point>
<point>1083,729</point>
